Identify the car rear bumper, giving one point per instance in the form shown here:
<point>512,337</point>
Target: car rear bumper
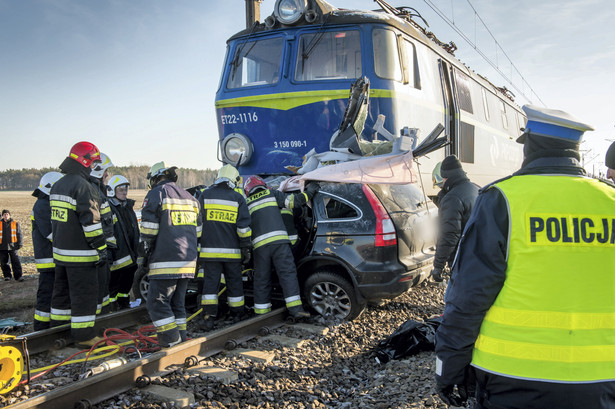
<point>402,283</point>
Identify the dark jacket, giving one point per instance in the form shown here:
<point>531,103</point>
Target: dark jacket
<point>478,276</point>
<point>226,224</point>
<point>456,200</point>
<point>75,217</point>
<point>267,223</point>
<point>126,233</point>
<point>12,238</point>
<point>170,220</point>
<point>41,233</point>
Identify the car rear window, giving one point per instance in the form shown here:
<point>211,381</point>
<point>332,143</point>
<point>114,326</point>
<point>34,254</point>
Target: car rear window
<point>399,198</point>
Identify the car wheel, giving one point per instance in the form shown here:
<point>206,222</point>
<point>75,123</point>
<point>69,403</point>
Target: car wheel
<point>140,285</point>
<point>332,296</point>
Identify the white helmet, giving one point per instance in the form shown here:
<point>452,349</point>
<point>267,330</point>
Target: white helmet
<point>47,180</point>
<point>99,167</point>
<point>115,181</point>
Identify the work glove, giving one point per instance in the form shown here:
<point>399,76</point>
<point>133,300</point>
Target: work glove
<point>102,257</point>
<point>311,189</point>
<point>246,255</point>
<point>448,395</point>
<point>144,249</point>
<point>436,274</point>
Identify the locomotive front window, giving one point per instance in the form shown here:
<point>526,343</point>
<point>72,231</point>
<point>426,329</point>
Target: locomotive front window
<point>329,55</point>
<point>386,55</point>
<point>256,63</point>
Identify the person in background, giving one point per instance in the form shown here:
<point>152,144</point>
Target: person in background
<point>170,228</point>
<point>225,244</point>
<point>99,177</point>
<point>11,240</point>
<point>529,307</point>
<point>126,231</point>
<point>79,245</point>
<point>43,249</point>
<point>271,244</point>
<point>609,161</point>
<point>455,201</point>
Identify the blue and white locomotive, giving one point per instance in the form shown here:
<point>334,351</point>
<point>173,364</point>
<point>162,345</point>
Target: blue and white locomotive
<point>285,84</point>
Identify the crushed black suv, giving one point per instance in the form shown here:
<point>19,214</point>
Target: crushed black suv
<point>365,243</point>
<point>358,244</point>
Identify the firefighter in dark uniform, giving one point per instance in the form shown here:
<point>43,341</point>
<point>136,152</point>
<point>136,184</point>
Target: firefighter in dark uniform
<point>126,232</point>
<point>271,244</point>
<point>43,249</point>
<point>170,227</point>
<point>79,246</point>
<point>530,305</point>
<point>99,177</point>
<point>225,244</point>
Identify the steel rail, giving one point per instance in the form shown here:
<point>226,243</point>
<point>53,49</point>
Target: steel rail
<point>59,337</point>
<point>90,391</point>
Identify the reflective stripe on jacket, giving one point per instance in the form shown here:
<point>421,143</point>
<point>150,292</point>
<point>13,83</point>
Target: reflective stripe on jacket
<point>13,231</point>
<point>554,318</point>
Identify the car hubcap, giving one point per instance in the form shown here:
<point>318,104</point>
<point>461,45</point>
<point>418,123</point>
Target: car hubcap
<point>330,300</point>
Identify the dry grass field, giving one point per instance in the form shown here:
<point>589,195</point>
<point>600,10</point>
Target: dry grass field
<point>19,298</point>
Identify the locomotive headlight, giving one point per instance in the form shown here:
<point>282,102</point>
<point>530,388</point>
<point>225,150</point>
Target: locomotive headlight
<point>289,11</point>
<point>236,149</point>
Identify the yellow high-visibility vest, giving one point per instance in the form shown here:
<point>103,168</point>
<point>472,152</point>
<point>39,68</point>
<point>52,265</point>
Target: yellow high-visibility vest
<point>554,318</point>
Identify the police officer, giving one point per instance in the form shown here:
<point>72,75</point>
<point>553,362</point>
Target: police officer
<point>99,177</point>
<point>43,249</point>
<point>609,161</point>
<point>271,244</point>
<point>225,244</point>
<point>79,246</point>
<point>530,301</point>
<point>455,201</point>
<point>170,224</point>
<point>126,232</point>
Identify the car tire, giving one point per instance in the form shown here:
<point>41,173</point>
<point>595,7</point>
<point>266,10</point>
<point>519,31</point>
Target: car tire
<point>332,296</point>
<point>140,285</point>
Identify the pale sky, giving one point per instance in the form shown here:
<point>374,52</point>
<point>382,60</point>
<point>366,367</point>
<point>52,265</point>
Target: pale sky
<point>138,77</point>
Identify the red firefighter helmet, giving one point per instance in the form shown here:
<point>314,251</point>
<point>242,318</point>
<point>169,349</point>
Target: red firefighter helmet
<point>252,183</point>
<point>85,153</point>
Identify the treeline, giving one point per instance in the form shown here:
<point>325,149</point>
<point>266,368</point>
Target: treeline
<point>28,179</point>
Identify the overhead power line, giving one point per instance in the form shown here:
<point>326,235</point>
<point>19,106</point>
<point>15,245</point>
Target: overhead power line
<point>495,65</point>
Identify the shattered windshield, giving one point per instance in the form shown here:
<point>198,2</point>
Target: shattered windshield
<point>256,63</point>
<point>329,55</point>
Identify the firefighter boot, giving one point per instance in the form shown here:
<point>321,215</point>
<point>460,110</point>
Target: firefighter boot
<point>207,323</point>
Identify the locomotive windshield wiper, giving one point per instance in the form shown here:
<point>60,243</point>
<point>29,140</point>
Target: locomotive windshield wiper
<point>235,63</point>
<point>315,40</point>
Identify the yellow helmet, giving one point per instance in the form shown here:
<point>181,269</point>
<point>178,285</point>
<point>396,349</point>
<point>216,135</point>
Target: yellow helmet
<point>228,173</point>
<point>160,169</point>
<point>436,177</point>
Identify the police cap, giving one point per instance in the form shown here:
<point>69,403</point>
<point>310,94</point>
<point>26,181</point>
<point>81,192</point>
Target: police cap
<point>552,123</point>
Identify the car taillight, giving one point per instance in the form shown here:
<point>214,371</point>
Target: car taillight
<point>385,230</point>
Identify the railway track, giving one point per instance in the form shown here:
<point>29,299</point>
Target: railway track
<point>87,392</point>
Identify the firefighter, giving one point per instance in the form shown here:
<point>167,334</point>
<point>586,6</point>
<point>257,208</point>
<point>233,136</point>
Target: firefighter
<point>99,177</point>
<point>43,249</point>
<point>225,244</point>
<point>11,240</point>
<point>79,245</point>
<point>170,227</point>
<point>271,244</point>
<point>126,231</point>
<point>529,306</point>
